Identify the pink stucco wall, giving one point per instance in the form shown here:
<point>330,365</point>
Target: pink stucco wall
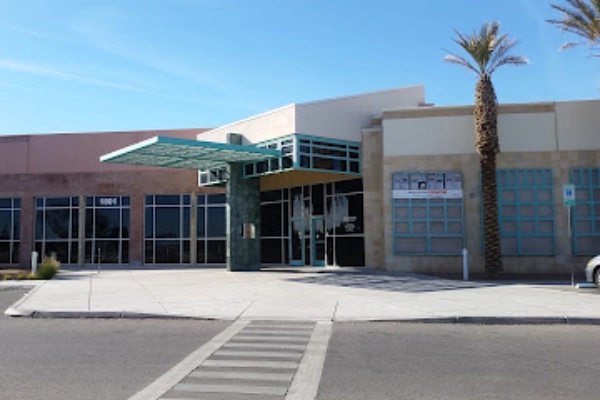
<point>62,153</point>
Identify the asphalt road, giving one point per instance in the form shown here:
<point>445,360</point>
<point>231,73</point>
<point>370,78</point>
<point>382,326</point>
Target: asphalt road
<point>90,359</point>
<point>410,361</point>
<point>113,359</point>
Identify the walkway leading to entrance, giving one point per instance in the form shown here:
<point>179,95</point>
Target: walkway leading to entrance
<point>329,295</point>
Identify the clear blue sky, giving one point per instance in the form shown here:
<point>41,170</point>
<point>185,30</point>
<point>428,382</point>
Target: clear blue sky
<point>91,65</point>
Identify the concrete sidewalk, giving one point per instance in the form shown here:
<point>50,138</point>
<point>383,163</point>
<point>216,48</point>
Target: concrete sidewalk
<point>303,294</point>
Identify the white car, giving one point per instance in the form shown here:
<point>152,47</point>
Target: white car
<point>592,271</point>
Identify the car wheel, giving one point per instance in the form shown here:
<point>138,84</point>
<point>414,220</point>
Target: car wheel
<point>597,277</point>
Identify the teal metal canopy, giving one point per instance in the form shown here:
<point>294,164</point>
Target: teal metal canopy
<point>172,152</point>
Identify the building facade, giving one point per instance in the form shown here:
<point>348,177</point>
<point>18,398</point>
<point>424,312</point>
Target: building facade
<point>381,180</point>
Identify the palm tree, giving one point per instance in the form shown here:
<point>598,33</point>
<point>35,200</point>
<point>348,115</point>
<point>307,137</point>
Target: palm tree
<point>488,51</point>
<point>582,19</point>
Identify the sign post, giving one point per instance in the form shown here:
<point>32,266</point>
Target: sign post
<point>569,202</point>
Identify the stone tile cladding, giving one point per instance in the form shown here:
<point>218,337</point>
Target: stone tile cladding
<point>378,209</point>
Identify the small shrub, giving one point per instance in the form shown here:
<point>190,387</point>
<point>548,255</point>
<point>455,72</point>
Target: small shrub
<point>48,268</point>
<point>21,276</point>
<point>7,277</point>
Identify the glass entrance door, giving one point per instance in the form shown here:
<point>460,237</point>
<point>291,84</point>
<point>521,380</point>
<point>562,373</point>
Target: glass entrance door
<point>318,241</point>
<point>297,242</point>
<point>307,242</point>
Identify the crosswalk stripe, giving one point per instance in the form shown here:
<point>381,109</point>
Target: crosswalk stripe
<point>250,364</point>
<point>268,390</point>
<point>259,376</point>
<point>277,332</point>
<point>270,338</point>
<point>271,346</point>
<point>187,365</point>
<point>267,359</point>
<point>257,354</point>
<point>306,381</point>
<point>276,326</point>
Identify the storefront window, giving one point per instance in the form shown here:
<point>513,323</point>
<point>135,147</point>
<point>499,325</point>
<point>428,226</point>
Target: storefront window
<point>107,229</point>
<point>10,230</point>
<point>57,228</point>
<point>211,229</point>
<point>167,229</point>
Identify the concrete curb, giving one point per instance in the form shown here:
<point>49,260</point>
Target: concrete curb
<point>466,320</point>
<point>13,310</point>
<point>490,320</point>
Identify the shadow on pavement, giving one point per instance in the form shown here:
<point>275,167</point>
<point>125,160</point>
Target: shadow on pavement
<point>408,283</point>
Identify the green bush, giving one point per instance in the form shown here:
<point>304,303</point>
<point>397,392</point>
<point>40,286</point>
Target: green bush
<point>48,268</point>
<point>21,276</point>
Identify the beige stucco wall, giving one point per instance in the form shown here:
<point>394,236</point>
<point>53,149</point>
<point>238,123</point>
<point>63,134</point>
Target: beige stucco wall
<point>433,135</point>
<point>344,118</point>
<point>338,118</point>
<point>578,125</point>
<point>518,132</point>
<point>261,127</point>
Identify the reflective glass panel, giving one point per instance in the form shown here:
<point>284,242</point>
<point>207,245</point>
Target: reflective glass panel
<point>271,251</point>
<point>168,224</point>
<point>167,252</point>
<point>216,251</point>
<point>271,220</point>
<point>4,252</point>
<point>57,223</point>
<point>107,223</point>
<point>5,224</point>
<point>216,221</point>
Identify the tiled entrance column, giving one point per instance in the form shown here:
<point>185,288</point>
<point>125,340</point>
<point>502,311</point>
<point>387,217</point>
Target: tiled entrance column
<point>243,207</point>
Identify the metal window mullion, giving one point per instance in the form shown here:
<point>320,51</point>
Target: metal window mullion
<point>11,238</point>
<point>93,238</point>
<point>70,232</point>
<point>206,234</point>
<point>120,244</point>
<point>573,174</point>
<point>153,237</point>
<point>181,209</point>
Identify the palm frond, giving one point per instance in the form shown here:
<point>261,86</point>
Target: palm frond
<point>581,18</point>
<point>509,60</point>
<point>487,49</point>
<point>456,59</point>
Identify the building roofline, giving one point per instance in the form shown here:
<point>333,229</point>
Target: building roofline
<point>352,96</point>
<point>332,99</point>
<point>272,111</point>
<point>150,131</point>
<point>452,111</point>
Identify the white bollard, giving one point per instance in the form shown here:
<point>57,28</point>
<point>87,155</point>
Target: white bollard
<point>34,261</point>
<point>465,254</point>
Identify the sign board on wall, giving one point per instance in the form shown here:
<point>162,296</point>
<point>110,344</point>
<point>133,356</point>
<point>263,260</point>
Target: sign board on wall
<point>107,201</point>
<point>569,195</point>
<point>427,185</point>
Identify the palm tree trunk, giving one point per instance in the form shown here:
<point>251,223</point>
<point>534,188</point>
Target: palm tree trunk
<point>491,228</point>
<point>487,144</point>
